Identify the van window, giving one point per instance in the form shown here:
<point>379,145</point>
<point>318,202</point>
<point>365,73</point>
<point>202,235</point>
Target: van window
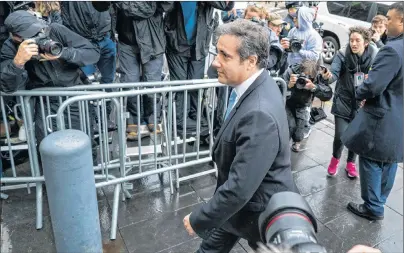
<point>382,9</point>
<point>359,10</point>
<point>338,8</point>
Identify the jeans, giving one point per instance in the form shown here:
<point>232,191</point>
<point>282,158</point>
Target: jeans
<point>107,62</point>
<point>377,179</point>
<point>340,126</point>
<point>297,121</point>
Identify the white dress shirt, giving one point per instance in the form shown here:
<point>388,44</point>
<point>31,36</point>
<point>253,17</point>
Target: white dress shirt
<point>240,89</point>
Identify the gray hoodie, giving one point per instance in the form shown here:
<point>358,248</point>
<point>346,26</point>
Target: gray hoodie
<point>312,41</point>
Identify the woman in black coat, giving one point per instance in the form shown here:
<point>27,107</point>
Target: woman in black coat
<point>349,68</point>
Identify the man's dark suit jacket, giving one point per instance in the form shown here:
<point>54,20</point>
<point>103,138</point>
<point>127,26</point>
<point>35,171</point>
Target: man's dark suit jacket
<point>252,154</point>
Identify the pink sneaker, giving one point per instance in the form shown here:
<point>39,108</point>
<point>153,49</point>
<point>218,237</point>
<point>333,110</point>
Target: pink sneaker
<point>351,170</point>
<point>333,167</point>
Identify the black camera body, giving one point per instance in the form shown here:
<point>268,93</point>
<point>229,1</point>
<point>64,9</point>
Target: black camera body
<point>301,77</point>
<point>295,45</point>
<point>288,224</point>
<point>46,45</point>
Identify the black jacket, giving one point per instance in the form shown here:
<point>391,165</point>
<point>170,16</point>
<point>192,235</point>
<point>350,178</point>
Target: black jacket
<point>175,32</point>
<point>140,24</point>
<point>252,154</point>
<point>303,97</point>
<point>377,131</point>
<point>63,72</point>
<point>83,19</point>
<point>344,102</point>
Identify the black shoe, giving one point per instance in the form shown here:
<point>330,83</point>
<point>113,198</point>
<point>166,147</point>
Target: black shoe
<point>362,211</point>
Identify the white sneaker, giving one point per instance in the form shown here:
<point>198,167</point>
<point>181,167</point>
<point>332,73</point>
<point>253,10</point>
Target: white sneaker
<point>306,135</point>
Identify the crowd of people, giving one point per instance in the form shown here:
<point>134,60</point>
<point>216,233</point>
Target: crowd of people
<point>136,38</point>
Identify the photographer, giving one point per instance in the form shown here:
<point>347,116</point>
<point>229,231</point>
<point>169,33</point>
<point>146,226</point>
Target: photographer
<point>254,14</point>
<point>348,68</point>
<point>303,41</point>
<point>304,83</point>
<point>26,63</point>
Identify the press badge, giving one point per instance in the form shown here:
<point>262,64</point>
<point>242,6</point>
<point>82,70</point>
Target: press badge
<point>359,78</point>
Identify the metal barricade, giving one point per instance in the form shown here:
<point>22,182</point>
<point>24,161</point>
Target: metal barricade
<point>170,150</point>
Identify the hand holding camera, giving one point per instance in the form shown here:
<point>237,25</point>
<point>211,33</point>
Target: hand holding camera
<point>285,43</point>
<point>26,51</point>
<point>325,73</point>
<point>292,81</point>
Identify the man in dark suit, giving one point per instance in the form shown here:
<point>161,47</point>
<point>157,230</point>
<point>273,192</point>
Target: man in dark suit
<point>252,147</point>
<point>376,133</point>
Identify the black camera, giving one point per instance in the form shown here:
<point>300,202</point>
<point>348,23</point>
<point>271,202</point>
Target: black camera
<point>296,45</point>
<point>46,45</point>
<point>288,224</point>
<point>301,77</point>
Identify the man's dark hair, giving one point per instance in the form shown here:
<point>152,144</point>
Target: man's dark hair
<point>366,34</point>
<point>399,7</point>
<point>254,39</point>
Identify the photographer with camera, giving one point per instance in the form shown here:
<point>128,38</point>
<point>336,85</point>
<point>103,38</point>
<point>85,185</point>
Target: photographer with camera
<point>255,14</point>
<point>348,68</point>
<point>37,55</point>
<point>304,83</point>
<point>303,41</point>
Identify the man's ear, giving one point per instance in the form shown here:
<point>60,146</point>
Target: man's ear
<point>252,60</point>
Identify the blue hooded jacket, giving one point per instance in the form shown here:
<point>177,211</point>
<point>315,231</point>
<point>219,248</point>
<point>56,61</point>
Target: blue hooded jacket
<point>312,41</point>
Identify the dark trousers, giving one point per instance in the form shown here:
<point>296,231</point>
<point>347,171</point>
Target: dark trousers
<point>377,179</point>
<point>340,126</point>
<point>298,121</point>
<point>241,225</point>
<point>185,68</point>
<point>134,71</point>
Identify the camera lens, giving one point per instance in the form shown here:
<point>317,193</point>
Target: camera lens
<point>288,222</point>
<point>55,48</point>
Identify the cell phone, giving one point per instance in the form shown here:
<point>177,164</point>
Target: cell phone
<point>323,68</point>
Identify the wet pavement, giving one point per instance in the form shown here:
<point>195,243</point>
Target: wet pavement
<point>152,220</point>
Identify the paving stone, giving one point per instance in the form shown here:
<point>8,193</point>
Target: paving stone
<point>392,244</point>
<point>147,205</point>
<point>315,179</point>
<point>157,234</point>
<point>396,201</point>
<point>331,203</point>
<point>357,230</point>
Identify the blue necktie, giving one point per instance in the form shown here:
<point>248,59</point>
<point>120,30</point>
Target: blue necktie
<point>232,100</point>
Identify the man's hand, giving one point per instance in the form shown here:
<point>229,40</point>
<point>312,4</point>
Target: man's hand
<point>376,37</point>
<point>285,43</point>
<point>187,225</point>
<point>26,50</point>
<point>309,85</point>
<point>48,57</point>
<point>292,81</point>
<point>363,249</point>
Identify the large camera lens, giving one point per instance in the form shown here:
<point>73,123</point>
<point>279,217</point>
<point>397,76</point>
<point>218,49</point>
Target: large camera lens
<point>288,223</point>
<point>50,47</point>
<point>301,82</point>
<point>295,45</point>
